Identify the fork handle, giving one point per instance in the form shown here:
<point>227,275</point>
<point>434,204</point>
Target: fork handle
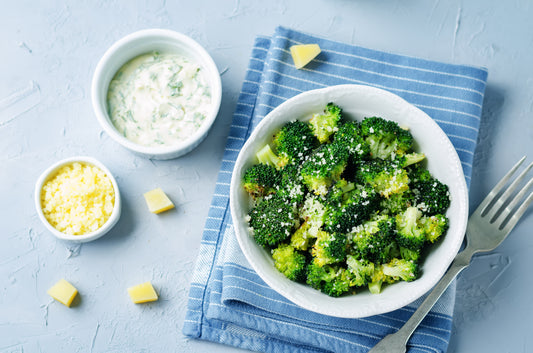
<point>396,342</point>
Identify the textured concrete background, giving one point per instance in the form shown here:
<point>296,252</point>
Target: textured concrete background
<point>49,51</point>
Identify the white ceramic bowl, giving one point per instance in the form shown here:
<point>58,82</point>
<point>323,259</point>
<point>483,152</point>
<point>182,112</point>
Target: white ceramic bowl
<point>143,42</point>
<point>50,172</point>
<point>357,102</point>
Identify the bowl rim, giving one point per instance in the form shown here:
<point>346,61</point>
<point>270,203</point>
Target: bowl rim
<point>274,280</point>
<point>115,49</point>
<point>106,227</point>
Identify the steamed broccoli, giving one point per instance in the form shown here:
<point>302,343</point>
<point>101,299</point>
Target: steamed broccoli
<point>432,196</point>
<point>410,231</point>
<point>374,239</point>
<point>339,192</point>
<point>333,280</point>
<point>290,262</point>
<point>329,248</point>
<point>294,141</point>
<point>377,279</point>
<point>302,237</point>
<point>362,270</point>
<point>260,180</point>
<point>318,275</point>
<point>343,205</point>
<point>349,135</point>
<point>385,176</point>
<point>418,173</point>
<point>409,254</point>
<point>266,156</point>
<point>402,269</point>
<point>393,271</point>
<point>272,220</point>
<point>314,213</point>
<point>340,284</point>
<point>434,226</point>
<point>385,138</point>
<point>325,124</point>
<point>397,203</point>
<point>414,229</point>
<point>359,207</point>
<point>409,159</point>
<point>324,167</point>
<point>291,185</point>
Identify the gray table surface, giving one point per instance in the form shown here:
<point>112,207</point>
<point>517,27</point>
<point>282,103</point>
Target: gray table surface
<point>49,52</point>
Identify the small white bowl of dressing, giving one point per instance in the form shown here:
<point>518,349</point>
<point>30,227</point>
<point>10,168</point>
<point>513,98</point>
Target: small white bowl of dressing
<point>157,93</point>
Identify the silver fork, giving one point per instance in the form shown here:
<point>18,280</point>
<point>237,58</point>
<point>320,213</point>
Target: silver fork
<point>487,227</point>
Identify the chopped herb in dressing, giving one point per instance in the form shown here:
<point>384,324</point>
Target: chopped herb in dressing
<point>159,99</point>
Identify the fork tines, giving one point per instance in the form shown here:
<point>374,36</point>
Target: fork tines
<point>498,206</point>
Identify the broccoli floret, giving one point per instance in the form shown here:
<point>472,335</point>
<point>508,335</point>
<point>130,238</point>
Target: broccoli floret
<point>351,170</point>
<point>330,279</point>
<point>386,139</point>
<point>414,229</point>
<point>410,230</point>
<point>291,185</point>
<point>431,196</point>
<point>387,177</point>
<point>397,203</point>
<point>266,156</point>
<point>401,269</point>
<point>418,173</point>
<point>313,212</point>
<point>329,248</point>
<point>362,270</point>
<point>339,192</point>
<point>410,158</point>
<point>324,167</point>
<point>260,180</point>
<point>377,279</point>
<point>411,255</point>
<point>290,262</point>
<point>434,226</point>
<point>359,207</point>
<point>325,124</point>
<point>272,220</point>
<point>318,275</point>
<point>294,141</point>
<point>301,238</point>
<point>349,135</point>
<point>374,239</point>
<point>341,284</point>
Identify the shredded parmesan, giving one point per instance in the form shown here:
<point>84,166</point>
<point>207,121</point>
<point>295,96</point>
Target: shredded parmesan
<point>78,199</point>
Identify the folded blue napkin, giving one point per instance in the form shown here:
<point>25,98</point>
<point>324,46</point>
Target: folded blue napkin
<point>228,302</point>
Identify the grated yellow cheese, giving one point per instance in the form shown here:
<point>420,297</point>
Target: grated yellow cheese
<point>78,199</point>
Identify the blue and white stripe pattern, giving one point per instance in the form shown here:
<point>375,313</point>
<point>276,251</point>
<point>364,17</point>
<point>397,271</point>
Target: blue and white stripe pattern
<point>228,302</point>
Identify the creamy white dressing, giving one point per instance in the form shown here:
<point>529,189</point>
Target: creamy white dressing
<point>158,99</point>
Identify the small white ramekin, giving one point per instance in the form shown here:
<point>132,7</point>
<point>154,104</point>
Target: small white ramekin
<point>143,42</point>
<point>50,172</point>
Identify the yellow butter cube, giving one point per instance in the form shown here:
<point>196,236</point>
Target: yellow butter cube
<point>302,54</point>
<point>142,293</point>
<point>63,292</point>
<point>158,201</point>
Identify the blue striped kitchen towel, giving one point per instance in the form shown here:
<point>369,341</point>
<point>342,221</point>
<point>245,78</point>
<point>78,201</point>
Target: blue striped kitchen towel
<point>228,302</point>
